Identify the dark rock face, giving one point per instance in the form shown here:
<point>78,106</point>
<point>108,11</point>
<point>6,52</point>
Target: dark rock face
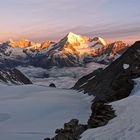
<point>101,114</point>
<point>86,78</point>
<point>72,131</point>
<point>13,76</point>
<point>115,82</point>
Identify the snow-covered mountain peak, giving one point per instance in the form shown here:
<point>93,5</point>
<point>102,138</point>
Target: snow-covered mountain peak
<point>84,41</point>
<point>102,41</point>
<point>74,38</point>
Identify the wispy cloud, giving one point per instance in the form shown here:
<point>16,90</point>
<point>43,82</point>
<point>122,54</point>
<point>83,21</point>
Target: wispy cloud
<point>40,19</point>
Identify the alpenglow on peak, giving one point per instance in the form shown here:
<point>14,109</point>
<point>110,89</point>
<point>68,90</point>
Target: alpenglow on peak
<point>74,38</point>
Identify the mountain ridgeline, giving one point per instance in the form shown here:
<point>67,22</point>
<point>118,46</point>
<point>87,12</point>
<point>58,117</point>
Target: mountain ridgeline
<point>116,81</point>
<point>72,50</point>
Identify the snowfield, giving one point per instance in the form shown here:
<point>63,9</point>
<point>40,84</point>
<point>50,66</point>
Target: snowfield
<point>126,126</point>
<point>31,112</point>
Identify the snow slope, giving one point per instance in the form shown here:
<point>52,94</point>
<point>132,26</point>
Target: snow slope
<point>126,126</point>
<point>31,112</point>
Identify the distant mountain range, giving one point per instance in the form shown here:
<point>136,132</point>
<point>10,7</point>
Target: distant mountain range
<point>72,50</point>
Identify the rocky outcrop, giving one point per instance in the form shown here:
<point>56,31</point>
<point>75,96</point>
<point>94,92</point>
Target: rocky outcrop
<point>71,131</point>
<point>101,114</point>
<point>52,85</point>
<point>13,76</point>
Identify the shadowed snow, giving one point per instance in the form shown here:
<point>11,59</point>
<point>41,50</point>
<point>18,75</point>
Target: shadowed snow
<point>126,126</point>
<point>31,112</point>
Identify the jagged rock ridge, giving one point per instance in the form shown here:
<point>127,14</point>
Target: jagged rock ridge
<point>13,76</point>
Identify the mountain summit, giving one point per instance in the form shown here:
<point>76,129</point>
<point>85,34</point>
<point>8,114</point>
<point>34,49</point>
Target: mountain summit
<point>77,44</point>
<point>74,38</point>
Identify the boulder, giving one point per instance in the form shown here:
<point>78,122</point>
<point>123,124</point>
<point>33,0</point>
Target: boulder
<point>52,85</point>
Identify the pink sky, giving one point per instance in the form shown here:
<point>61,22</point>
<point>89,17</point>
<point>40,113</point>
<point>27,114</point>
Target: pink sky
<point>52,19</point>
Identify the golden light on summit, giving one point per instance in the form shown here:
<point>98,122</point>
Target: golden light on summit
<point>24,43</point>
<point>79,45</point>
